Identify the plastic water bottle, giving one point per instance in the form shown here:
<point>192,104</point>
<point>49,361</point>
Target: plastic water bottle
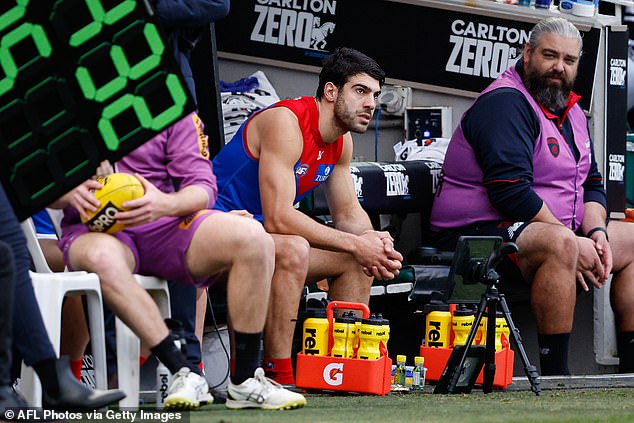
<point>370,334</point>
<point>163,375</point>
<point>501,328</point>
<point>400,372</point>
<point>462,322</point>
<point>438,326</point>
<point>343,333</point>
<point>163,381</point>
<point>315,333</point>
<point>384,332</point>
<point>418,375</point>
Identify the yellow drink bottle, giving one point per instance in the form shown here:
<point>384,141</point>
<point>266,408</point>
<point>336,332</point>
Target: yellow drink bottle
<point>384,331</point>
<point>438,326</point>
<point>481,335</point>
<point>369,339</point>
<point>315,333</point>
<point>461,324</point>
<point>501,328</point>
<point>343,333</point>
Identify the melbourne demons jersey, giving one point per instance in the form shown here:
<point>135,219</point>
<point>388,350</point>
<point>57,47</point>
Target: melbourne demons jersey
<point>236,168</point>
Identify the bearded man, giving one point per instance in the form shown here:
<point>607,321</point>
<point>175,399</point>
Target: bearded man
<point>521,166</point>
<point>276,158</point>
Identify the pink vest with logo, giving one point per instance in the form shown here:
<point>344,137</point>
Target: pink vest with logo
<point>557,177</point>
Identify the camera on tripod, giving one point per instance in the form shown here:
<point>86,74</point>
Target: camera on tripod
<point>475,261</point>
<point>471,263</point>
<point>475,257</point>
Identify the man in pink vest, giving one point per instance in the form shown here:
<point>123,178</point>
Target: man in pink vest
<point>521,165</point>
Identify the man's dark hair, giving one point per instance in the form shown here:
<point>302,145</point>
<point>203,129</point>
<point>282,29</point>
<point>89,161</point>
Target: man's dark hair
<point>343,63</point>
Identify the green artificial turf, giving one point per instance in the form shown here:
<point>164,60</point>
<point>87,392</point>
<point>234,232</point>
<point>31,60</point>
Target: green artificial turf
<point>570,406</point>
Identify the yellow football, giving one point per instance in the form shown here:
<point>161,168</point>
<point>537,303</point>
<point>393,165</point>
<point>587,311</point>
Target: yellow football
<point>116,189</point>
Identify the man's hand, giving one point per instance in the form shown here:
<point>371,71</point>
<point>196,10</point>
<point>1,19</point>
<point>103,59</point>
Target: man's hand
<point>376,254</point>
<point>104,169</point>
<point>589,265</point>
<point>82,198</point>
<point>153,205</point>
<point>605,254</point>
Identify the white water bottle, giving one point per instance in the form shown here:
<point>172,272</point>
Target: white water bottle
<point>163,381</point>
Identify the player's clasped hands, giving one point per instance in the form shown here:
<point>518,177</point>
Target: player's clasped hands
<point>589,265</point>
<point>378,256</point>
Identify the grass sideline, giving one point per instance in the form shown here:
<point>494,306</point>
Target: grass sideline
<point>554,406</point>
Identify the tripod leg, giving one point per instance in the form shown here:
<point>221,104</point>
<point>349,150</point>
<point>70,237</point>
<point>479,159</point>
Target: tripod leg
<point>457,371</point>
<point>489,362</point>
<point>529,369</point>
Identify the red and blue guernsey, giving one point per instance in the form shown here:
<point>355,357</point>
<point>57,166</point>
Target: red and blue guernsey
<point>236,168</point>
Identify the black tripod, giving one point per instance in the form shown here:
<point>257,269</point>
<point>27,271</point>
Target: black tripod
<point>490,301</point>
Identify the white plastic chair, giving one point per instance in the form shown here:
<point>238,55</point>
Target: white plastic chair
<point>128,345</point>
<point>50,289</point>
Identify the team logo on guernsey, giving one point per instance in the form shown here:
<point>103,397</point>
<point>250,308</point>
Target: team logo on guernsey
<point>553,146</point>
<point>188,220</point>
<point>203,143</point>
<point>323,171</point>
<point>302,169</point>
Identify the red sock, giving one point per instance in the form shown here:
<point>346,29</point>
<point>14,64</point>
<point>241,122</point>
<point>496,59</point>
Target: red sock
<point>201,367</point>
<point>280,370</point>
<point>75,367</point>
<point>142,360</point>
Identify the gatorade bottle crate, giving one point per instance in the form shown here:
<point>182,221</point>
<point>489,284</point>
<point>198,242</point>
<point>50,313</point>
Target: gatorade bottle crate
<point>344,374</point>
<point>436,360</point>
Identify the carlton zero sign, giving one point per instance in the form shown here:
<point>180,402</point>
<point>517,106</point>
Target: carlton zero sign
<point>293,23</point>
<point>483,50</point>
<point>424,44</point>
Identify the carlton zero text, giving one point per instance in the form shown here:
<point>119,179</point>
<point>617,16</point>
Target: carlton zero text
<point>292,23</point>
<point>481,49</point>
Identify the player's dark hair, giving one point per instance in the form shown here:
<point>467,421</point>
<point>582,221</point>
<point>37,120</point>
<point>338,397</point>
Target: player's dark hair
<point>344,63</point>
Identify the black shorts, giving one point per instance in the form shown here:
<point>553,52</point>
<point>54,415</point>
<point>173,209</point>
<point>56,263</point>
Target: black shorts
<point>510,275</point>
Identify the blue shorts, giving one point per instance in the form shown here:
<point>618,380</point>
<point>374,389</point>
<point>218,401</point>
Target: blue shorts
<point>43,225</point>
<point>159,247</point>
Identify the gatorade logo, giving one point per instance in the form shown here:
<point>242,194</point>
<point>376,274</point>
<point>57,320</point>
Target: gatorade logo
<point>333,374</point>
<point>103,220</point>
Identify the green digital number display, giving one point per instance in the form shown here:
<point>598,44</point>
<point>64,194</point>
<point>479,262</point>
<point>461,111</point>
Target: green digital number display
<point>80,81</point>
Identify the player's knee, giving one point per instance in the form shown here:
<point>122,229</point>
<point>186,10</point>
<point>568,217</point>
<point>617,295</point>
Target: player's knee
<point>292,254</point>
<point>255,242</point>
<point>100,256</point>
<point>354,271</point>
<point>560,244</point>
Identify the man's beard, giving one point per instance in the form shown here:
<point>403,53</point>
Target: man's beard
<point>345,119</point>
<point>550,96</point>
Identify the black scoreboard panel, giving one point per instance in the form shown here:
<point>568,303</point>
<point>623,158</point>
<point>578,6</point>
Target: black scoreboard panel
<point>80,81</point>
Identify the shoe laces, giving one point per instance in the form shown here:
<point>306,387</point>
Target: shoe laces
<point>179,380</point>
<point>265,381</point>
